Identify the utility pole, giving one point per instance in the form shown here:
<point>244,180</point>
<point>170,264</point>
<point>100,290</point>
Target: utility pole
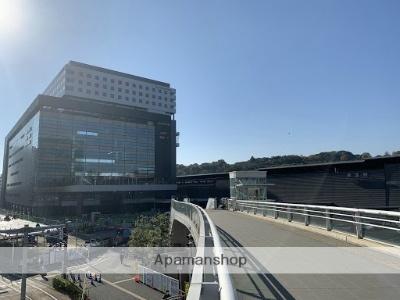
<point>64,244</point>
<point>24,245</point>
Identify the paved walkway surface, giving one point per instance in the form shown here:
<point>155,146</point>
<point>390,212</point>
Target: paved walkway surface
<point>113,286</point>
<point>37,289</point>
<point>238,229</point>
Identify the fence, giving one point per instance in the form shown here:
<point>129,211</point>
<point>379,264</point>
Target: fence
<point>378,225</point>
<point>159,281</point>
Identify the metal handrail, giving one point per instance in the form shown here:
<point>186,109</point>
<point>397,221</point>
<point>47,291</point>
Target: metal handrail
<point>195,288</point>
<point>226,290</point>
<point>389,220</point>
<point>336,219</point>
<point>360,210</point>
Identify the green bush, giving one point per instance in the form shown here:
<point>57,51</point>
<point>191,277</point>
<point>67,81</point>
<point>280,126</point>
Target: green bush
<point>150,231</point>
<point>67,287</point>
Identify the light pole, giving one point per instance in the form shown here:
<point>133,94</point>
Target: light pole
<point>23,275</point>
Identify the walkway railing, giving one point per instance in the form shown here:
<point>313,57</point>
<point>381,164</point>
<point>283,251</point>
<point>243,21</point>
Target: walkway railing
<point>203,284</point>
<point>377,225</point>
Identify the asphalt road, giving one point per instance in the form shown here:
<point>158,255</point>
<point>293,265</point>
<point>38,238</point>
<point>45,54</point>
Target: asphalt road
<point>238,229</point>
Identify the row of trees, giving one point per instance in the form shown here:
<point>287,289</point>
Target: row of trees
<point>264,162</point>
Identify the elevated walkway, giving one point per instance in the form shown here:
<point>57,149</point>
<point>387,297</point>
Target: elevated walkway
<point>239,229</point>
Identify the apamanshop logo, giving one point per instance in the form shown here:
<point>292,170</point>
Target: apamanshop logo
<point>166,261</point>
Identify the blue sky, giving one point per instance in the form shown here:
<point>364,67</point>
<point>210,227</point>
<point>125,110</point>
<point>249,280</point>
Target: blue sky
<point>254,77</point>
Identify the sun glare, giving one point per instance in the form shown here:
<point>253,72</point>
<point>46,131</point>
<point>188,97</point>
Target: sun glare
<point>9,16</point>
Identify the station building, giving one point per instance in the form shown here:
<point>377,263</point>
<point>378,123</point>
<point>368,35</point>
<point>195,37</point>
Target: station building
<point>95,140</point>
<point>369,183</point>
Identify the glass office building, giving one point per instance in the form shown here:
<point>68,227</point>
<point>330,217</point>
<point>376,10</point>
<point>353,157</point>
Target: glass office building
<point>73,155</point>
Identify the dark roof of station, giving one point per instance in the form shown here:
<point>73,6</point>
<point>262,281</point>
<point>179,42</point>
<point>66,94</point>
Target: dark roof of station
<point>370,162</point>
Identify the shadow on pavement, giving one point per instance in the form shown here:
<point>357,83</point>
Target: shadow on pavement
<point>256,283</point>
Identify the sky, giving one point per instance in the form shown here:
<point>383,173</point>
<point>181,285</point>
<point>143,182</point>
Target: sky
<point>253,78</point>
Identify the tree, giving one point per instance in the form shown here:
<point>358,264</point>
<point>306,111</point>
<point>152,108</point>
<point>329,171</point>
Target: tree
<point>151,231</point>
<point>365,155</point>
<point>264,162</point>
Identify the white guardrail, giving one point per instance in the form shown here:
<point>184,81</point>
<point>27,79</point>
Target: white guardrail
<point>201,227</point>
<point>373,224</point>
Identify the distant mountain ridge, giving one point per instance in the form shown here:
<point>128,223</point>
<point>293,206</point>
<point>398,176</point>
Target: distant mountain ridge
<point>264,162</point>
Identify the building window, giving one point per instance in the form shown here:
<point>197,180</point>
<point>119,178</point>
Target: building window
<point>88,91</point>
<point>80,81</point>
<point>147,95</point>
<point>104,78</point>
<point>88,83</point>
<point>133,99</point>
<point>112,96</point>
<point>140,100</point>
<point>80,90</point>
<point>133,92</point>
<point>104,94</point>
<point>134,85</point>
<point>88,75</point>
<point>112,87</point>
<point>126,83</point>
<point>153,103</point>
<point>112,80</point>
<point>104,86</point>
<point>147,101</point>
<point>96,85</point>
<point>96,77</point>
<point>153,96</point>
<point>140,86</point>
<point>119,90</point>
<point>119,97</point>
<point>126,98</point>
<point>89,133</point>
<point>119,81</point>
<point>127,91</point>
<point>147,88</point>
<point>96,92</point>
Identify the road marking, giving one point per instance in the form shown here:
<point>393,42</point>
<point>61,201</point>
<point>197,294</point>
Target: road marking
<point>123,280</point>
<point>14,289</point>
<point>123,290</point>
<point>34,286</point>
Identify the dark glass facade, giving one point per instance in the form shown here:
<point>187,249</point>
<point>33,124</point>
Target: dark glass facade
<point>371,183</point>
<point>81,155</point>
<point>77,149</point>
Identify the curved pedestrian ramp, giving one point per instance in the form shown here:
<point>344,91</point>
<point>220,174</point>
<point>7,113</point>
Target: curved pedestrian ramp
<point>259,226</point>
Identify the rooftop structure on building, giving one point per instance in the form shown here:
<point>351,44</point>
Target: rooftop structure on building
<point>87,81</point>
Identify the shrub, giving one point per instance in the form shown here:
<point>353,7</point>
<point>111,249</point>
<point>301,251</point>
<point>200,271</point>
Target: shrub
<point>67,287</point>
